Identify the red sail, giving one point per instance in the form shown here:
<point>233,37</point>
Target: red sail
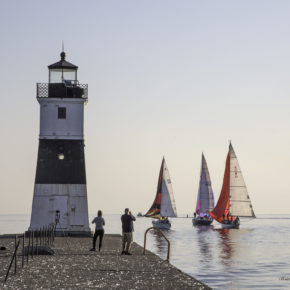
<point>222,207</point>
<point>154,211</point>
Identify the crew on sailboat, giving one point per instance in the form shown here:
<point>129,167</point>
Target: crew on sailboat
<point>237,221</point>
<point>230,220</point>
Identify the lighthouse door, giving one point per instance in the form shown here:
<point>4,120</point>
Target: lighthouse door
<point>61,206</point>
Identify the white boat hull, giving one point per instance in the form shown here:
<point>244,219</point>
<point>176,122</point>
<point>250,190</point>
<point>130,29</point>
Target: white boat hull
<point>161,224</point>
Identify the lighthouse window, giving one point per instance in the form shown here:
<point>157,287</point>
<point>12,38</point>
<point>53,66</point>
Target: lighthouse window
<point>61,113</point>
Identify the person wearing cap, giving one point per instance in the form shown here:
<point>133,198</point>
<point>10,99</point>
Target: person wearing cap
<point>127,231</point>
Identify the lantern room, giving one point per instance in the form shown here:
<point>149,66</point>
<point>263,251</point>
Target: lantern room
<point>63,71</point>
<point>62,81</point>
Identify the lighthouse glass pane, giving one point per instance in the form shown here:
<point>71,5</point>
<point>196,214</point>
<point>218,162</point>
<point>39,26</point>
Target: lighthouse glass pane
<point>55,77</point>
<point>69,75</point>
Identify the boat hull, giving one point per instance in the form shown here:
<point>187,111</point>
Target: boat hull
<point>161,224</point>
<point>201,222</point>
<point>231,226</point>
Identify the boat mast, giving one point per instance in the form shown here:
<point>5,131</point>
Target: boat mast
<point>229,179</point>
<point>161,187</point>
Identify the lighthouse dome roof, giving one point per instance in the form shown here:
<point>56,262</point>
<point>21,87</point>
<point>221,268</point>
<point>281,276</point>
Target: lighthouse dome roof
<point>63,64</point>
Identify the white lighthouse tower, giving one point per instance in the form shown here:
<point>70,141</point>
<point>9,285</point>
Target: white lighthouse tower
<point>60,191</point>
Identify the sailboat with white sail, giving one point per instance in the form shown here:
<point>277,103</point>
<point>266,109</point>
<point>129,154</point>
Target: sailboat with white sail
<point>205,198</point>
<point>163,206</point>
<point>234,201</point>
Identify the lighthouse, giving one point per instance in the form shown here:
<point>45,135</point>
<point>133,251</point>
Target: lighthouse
<point>60,190</point>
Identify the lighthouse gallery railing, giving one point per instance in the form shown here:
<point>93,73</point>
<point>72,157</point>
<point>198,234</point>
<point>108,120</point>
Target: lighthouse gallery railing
<point>62,90</point>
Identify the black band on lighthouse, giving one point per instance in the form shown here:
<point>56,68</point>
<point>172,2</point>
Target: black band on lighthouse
<point>60,162</point>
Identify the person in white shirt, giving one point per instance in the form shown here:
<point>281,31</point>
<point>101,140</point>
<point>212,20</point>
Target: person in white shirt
<point>99,230</point>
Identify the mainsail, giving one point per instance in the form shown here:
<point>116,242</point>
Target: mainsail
<point>154,211</point>
<point>234,198</point>
<point>164,203</point>
<point>240,203</point>
<point>222,207</point>
<point>205,198</point>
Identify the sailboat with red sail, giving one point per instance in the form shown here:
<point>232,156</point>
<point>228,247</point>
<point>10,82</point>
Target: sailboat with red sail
<point>234,201</point>
<point>164,203</point>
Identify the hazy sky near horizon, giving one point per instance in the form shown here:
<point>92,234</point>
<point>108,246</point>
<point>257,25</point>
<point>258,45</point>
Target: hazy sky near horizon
<point>166,78</point>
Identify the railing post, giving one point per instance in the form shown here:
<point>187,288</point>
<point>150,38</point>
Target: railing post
<point>168,243</point>
<point>15,249</point>
<point>53,233</point>
<point>23,250</point>
<point>40,237</point>
<point>48,232</point>
<point>32,244</point>
<point>45,235</point>
<point>49,235</point>
<point>28,246</point>
<point>13,257</point>
<point>145,236</point>
<point>37,234</point>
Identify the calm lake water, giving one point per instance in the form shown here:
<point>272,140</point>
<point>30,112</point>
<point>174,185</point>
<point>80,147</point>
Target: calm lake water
<point>255,256</point>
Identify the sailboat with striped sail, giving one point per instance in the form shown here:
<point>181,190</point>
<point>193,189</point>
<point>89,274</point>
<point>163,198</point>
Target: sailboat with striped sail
<point>205,198</point>
<point>164,204</point>
<point>234,200</point>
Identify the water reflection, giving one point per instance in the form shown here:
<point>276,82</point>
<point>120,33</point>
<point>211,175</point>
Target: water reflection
<point>205,243</point>
<point>159,242</point>
<point>225,245</point>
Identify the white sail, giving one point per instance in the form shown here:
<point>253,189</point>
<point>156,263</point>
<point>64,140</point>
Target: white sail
<point>168,207</point>
<point>240,203</point>
<point>205,200</point>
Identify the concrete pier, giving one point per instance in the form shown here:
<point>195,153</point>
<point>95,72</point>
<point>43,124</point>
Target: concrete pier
<point>73,266</point>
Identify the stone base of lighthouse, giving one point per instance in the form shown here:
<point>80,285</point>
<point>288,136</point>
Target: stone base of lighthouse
<point>60,188</point>
<point>70,200</point>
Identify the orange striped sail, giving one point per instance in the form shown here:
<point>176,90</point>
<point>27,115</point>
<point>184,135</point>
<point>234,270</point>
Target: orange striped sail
<point>154,211</point>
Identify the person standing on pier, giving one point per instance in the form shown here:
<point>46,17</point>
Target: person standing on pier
<point>127,231</point>
<point>99,230</point>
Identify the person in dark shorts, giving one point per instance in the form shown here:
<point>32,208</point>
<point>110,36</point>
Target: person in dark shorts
<point>127,231</point>
<point>99,230</point>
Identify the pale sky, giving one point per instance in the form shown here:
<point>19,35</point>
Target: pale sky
<point>166,78</point>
